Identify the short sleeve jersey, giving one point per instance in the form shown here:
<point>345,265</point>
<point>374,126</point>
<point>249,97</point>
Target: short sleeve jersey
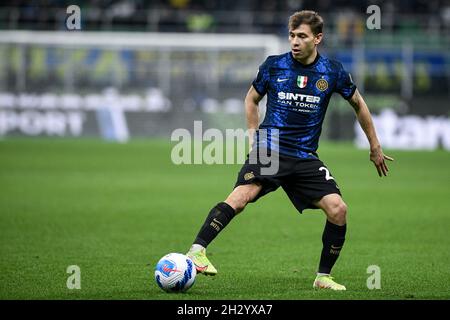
<point>297,100</point>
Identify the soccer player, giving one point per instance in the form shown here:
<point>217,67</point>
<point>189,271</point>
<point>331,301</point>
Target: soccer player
<point>298,85</point>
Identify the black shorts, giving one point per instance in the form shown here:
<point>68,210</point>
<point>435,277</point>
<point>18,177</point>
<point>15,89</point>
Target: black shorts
<point>305,181</point>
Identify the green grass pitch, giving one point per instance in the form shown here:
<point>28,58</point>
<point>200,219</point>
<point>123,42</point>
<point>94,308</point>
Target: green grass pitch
<point>114,210</point>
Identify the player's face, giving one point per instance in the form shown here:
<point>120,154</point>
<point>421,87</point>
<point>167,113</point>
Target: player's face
<point>303,42</point>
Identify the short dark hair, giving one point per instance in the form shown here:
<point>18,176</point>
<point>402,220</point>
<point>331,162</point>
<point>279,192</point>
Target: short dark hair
<point>308,17</point>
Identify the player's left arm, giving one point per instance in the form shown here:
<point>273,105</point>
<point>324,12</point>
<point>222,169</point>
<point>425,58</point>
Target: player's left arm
<point>365,120</point>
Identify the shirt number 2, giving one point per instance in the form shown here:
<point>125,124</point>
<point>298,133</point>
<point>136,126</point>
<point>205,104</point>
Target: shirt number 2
<point>327,173</point>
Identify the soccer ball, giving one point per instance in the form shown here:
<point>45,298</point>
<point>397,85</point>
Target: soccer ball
<point>175,272</point>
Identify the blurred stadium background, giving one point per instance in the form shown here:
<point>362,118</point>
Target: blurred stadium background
<point>144,68</point>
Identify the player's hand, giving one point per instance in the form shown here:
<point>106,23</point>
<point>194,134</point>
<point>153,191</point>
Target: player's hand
<point>378,158</point>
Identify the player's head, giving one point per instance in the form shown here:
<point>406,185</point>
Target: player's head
<point>305,33</point>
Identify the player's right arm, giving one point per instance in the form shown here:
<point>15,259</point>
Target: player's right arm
<point>348,90</point>
<point>365,120</point>
<point>251,102</point>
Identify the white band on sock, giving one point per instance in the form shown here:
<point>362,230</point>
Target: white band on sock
<point>322,274</point>
<point>197,247</point>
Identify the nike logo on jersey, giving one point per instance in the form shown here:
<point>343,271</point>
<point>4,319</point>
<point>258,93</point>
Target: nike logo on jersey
<point>282,80</point>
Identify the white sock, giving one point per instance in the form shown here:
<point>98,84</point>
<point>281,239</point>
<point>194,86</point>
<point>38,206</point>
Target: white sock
<point>322,274</point>
<point>196,247</point>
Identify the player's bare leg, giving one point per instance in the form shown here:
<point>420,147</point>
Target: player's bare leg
<point>217,219</point>
<point>334,208</point>
<point>242,195</point>
<point>333,239</point>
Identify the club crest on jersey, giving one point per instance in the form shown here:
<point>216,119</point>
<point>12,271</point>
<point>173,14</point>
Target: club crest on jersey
<point>301,81</point>
<point>322,84</point>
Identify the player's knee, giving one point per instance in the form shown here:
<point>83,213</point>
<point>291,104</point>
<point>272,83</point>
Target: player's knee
<point>338,213</point>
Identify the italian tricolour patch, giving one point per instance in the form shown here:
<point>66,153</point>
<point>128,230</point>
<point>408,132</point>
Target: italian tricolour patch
<point>302,81</point>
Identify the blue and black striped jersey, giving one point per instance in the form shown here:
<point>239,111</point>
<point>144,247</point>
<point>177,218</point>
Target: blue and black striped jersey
<point>297,99</point>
